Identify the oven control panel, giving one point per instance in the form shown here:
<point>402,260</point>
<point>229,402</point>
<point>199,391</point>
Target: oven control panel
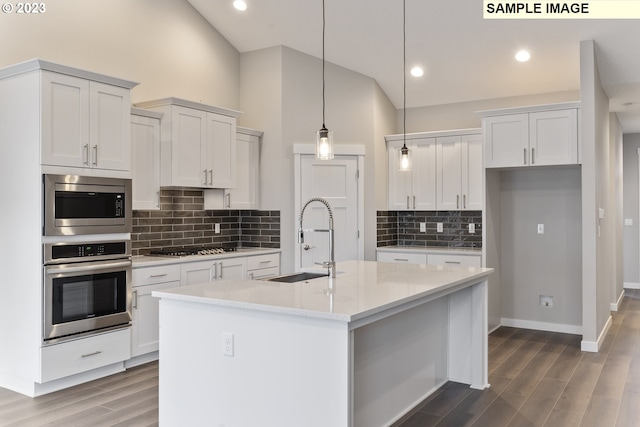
<point>78,251</point>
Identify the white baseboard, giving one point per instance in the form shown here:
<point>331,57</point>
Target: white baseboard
<point>616,305</point>
<point>595,346</point>
<point>631,285</point>
<point>542,326</point>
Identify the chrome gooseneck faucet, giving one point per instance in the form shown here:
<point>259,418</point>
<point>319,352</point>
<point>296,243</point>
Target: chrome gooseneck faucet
<point>331,264</point>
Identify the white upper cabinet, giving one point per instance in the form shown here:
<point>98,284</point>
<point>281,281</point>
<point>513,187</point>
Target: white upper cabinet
<point>536,136</point>
<point>459,176</point>
<point>245,194</point>
<point>198,144</point>
<point>414,189</point>
<point>145,159</point>
<point>85,124</point>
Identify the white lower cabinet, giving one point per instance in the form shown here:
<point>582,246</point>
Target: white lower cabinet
<point>263,266</point>
<point>425,256</point>
<point>84,354</point>
<point>471,260</point>
<point>144,310</point>
<point>192,273</point>
<point>403,257</point>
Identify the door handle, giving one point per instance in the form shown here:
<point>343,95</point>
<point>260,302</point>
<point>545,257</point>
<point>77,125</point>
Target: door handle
<point>306,247</point>
<point>135,300</point>
<point>457,201</point>
<point>228,200</point>
<point>414,202</point>
<point>408,202</point>
<point>464,201</point>
<point>533,156</point>
<point>210,176</point>
<point>204,181</point>
<point>525,156</point>
<point>85,154</point>
<point>95,155</point>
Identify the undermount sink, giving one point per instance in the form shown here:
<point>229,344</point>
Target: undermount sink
<point>296,277</point>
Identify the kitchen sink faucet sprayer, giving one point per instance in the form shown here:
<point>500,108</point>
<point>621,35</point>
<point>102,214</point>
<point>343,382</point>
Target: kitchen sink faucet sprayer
<point>331,264</point>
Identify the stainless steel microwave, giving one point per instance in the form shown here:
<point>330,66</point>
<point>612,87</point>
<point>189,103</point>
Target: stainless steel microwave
<point>75,205</point>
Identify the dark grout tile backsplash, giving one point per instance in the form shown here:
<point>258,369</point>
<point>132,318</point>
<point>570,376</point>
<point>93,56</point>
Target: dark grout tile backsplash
<point>402,228</point>
<point>182,221</point>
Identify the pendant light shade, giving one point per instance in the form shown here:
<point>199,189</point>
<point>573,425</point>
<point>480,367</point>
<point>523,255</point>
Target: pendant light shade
<point>405,154</point>
<point>324,138</point>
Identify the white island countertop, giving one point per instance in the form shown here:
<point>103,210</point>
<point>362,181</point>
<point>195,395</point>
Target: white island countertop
<point>360,289</point>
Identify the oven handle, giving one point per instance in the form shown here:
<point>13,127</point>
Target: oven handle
<point>86,267</point>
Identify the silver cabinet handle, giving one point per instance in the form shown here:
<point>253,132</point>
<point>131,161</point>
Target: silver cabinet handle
<point>204,181</point>
<point>85,154</point>
<point>157,275</point>
<point>464,201</point>
<point>264,262</point>
<point>401,259</point>
<point>95,155</point>
<point>414,202</point>
<point>408,202</point>
<point>135,300</point>
<point>95,353</point>
<point>228,200</point>
<point>210,176</point>
<point>452,262</point>
<point>457,201</point>
<point>525,156</point>
<point>533,156</point>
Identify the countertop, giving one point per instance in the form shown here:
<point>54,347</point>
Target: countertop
<point>360,289</point>
<point>140,261</point>
<point>431,250</point>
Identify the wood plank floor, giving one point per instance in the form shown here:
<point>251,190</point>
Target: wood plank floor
<point>537,379</point>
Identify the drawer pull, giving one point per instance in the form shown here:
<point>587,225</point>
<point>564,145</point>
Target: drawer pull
<point>452,262</point>
<point>401,259</point>
<point>265,262</point>
<point>95,353</point>
<point>152,276</point>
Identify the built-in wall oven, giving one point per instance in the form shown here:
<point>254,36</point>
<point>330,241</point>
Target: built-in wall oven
<point>75,205</point>
<point>87,288</point>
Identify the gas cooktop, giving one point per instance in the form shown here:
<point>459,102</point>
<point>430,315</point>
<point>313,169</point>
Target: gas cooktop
<point>193,250</point>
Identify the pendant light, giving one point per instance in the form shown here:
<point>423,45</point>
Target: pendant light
<point>324,138</point>
<point>405,158</point>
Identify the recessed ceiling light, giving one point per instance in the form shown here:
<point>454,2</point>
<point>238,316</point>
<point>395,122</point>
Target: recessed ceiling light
<point>417,72</point>
<point>240,4</point>
<point>523,56</point>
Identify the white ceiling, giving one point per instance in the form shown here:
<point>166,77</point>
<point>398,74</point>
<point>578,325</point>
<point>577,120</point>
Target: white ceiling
<point>466,58</point>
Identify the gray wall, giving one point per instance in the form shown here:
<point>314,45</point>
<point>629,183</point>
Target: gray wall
<point>631,191</point>
<point>541,264</point>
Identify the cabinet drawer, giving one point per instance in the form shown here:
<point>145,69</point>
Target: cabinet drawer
<point>463,260</point>
<point>263,261</point>
<point>264,273</point>
<point>73,357</point>
<point>160,274</point>
<point>402,257</point>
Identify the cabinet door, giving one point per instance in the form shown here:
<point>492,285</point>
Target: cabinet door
<point>472,173</point>
<point>65,120</point>
<point>145,159</point>
<point>506,140</point>
<point>220,151</point>
<point>144,322</point>
<point>399,191</point>
<point>245,193</point>
<point>192,273</point>
<point>109,126</point>
<point>449,164</point>
<point>232,268</point>
<point>189,166</point>
<point>423,174</point>
<point>554,137</point>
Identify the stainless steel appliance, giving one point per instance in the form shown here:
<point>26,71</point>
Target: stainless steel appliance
<point>87,288</point>
<point>191,250</point>
<point>86,205</point>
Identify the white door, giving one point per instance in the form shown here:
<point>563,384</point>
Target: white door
<point>336,181</point>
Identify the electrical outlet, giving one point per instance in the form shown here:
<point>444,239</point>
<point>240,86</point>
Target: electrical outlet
<point>540,228</point>
<point>439,227</point>
<point>216,228</point>
<point>472,228</point>
<point>546,300</point>
<point>423,227</point>
<point>227,344</point>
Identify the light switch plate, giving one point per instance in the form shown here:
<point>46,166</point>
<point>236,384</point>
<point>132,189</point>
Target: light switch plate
<point>540,228</point>
<point>628,221</point>
<point>472,228</point>
<point>423,227</point>
<point>439,228</point>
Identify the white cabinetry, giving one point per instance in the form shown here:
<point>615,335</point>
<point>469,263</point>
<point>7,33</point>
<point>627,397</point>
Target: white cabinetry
<point>402,257</point>
<point>245,195</point>
<point>192,273</point>
<point>144,322</point>
<point>414,189</point>
<point>198,144</point>
<point>459,172</point>
<point>465,260</point>
<point>533,136</point>
<point>85,124</point>
<point>430,256</point>
<point>145,158</point>
<point>262,266</point>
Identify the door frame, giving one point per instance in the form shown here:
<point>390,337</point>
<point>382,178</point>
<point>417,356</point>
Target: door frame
<point>339,150</point>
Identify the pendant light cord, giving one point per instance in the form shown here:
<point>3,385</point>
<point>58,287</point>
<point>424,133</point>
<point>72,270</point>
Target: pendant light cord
<point>323,77</point>
<point>404,73</point>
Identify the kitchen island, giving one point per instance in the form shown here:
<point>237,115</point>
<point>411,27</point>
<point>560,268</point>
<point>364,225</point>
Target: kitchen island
<point>361,349</point>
